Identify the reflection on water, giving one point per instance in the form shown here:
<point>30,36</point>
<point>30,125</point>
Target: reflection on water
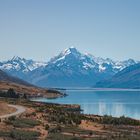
<point>114,109</point>
<point>115,103</point>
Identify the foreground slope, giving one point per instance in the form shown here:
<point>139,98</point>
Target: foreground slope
<point>127,78</point>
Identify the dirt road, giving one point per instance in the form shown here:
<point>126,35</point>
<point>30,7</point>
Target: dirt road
<point>19,110</point>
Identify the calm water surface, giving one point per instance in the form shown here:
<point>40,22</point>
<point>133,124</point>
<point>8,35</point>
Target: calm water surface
<point>115,103</point>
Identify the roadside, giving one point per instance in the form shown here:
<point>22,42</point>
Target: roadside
<point>63,122</point>
<point>19,110</point>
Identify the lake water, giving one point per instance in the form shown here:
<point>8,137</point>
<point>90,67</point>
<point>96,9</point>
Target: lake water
<point>115,103</point>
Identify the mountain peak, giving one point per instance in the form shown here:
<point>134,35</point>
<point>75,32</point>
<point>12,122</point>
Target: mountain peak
<point>72,47</point>
<point>16,58</point>
<point>68,53</point>
<point>71,50</point>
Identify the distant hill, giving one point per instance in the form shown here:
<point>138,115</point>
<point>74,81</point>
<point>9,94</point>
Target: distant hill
<point>127,78</point>
<point>7,78</point>
<point>20,86</point>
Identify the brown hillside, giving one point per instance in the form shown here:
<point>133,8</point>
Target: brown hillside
<point>30,90</point>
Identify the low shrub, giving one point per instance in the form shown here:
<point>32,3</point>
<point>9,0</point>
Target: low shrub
<point>23,123</point>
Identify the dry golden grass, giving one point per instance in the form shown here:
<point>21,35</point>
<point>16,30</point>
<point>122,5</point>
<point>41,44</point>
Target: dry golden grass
<point>5,109</point>
<point>31,90</point>
<point>89,125</point>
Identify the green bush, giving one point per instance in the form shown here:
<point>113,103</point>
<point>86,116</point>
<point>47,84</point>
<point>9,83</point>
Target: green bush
<point>24,135</point>
<point>12,118</point>
<point>119,121</point>
<point>20,135</point>
<point>4,134</point>
<point>47,127</point>
<point>58,136</point>
<point>23,123</point>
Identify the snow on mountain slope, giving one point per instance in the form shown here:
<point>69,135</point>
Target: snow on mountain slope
<point>89,61</point>
<point>20,64</point>
<point>72,68</point>
<point>127,78</point>
<point>20,67</point>
<point>69,68</point>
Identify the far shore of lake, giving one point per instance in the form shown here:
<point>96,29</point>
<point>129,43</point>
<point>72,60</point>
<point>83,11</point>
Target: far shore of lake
<point>102,89</point>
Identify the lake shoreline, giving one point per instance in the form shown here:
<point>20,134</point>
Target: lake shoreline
<point>77,108</point>
<point>60,121</point>
<point>104,89</point>
<point>114,103</point>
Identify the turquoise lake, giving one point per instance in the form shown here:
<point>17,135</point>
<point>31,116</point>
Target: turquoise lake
<point>115,103</point>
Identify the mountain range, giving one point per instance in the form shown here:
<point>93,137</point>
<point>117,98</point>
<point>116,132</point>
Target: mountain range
<point>70,68</point>
<point>127,78</point>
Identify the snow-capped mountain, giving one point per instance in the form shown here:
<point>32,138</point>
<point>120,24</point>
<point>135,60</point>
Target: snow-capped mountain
<point>69,68</point>
<point>88,61</point>
<point>72,68</point>
<point>19,66</point>
<point>129,77</point>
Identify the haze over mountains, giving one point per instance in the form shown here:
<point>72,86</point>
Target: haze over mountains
<point>10,79</point>
<point>70,68</point>
<point>127,78</point>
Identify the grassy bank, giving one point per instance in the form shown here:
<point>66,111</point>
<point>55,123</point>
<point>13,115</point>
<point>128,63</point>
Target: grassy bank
<point>64,122</point>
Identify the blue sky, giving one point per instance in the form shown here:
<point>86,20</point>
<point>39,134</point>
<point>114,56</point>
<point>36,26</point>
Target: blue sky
<point>40,29</point>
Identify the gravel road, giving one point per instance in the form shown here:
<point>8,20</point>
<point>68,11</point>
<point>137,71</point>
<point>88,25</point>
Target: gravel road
<point>19,110</point>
